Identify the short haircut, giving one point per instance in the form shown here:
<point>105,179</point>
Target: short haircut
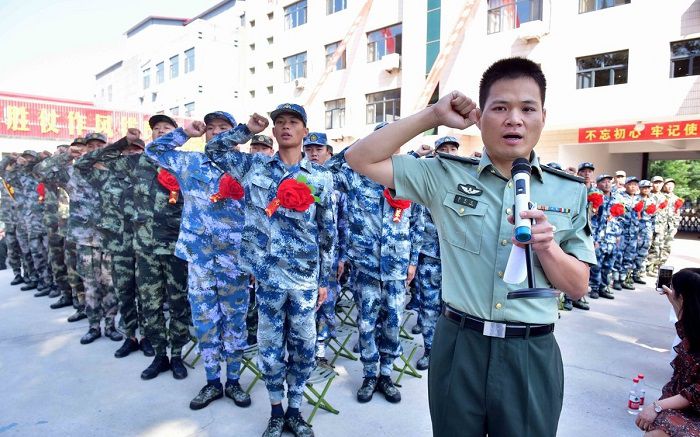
<point>510,68</point>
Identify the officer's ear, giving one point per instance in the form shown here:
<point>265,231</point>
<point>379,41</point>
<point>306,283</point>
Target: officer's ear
<point>477,113</point>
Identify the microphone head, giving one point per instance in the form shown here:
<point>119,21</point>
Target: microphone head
<point>521,165</point>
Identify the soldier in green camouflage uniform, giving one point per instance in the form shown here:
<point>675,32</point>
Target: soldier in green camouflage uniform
<point>160,275</point>
<point>672,219</point>
<point>7,216</point>
<point>116,226</point>
<point>55,171</point>
<point>654,257</point>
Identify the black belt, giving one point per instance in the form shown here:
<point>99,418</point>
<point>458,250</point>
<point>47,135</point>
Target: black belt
<point>496,329</point>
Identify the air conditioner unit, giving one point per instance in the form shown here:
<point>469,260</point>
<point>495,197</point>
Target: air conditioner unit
<point>391,62</point>
<point>532,31</point>
<point>300,83</point>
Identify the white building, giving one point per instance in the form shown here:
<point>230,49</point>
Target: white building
<point>252,55</point>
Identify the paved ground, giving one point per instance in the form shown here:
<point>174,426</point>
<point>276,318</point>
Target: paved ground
<point>53,386</point>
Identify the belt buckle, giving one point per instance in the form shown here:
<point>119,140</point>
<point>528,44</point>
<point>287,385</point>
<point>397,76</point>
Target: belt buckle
<point>493,329</point>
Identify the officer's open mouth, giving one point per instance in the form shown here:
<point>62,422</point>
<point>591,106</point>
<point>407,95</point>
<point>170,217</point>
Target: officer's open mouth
<point>513,137</point>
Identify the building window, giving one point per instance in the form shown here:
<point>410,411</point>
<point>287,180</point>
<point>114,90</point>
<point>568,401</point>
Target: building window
<point>510,14</point>
<point>252,93</point>
<point>432,38</point>
<point>189,109</point>
<point>160,72</point>
<point>295,15</point>
<point>174,66</point>
<point>146,78</point>
<point>295,67</point>
<point>252,47</point>
<point>383,42</point>
<point>252,23</point>
<point>270,89</point>
<point>602,70</point>
<point>270,65</point>
<point>270,40</point>
<point>330,51</point>
<point>333,6</point>
<point>189,60</point>
<point>383,106</point>
<point>175,111</point>
<point>252,70</point>
<point>270,15</point>
<point>594,5</point>
<point>685,58</point>
<point>335,114</point>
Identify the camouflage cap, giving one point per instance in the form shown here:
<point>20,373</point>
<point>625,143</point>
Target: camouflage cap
<point>603,176</point>
<point>583,165</point>
<point>380,125</point>
<point>289,108</point>
<point>657,179</point>
<point>644,183</point>
<point>667,180</point>
<point>96,136</point>
<point>161,117</point>
<point>555,165</point>
<point>31,153</point>
<point>263,140</point>
<point>315,139</point>
<point>79,140</point>
<point>220,115</point>
<point>631,179</point>
<point>446,140</point>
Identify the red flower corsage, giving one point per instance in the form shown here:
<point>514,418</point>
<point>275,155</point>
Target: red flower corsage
<point>295,194</point>
<point>398,205</point>
<point>663,204</point>
<point>229,188</point>
<point>167,180</point>
<point>651,209</point>
<point>595,199</point>
<point>41,189</point>
<point>677,204</point>
<point>617,210</point>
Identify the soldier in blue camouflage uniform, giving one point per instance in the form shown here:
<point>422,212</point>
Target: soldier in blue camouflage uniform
<point>31,213</point>
<point>627,251</point>
<point>160,275</point>
<point>8,216</point>
<point>94,263</point>
<point>428,281</point>
<point>384,255</point>
<point>210,238</point>
<point>288,251</point>
<point>606,232</point>
<point>646,232</point>
<point>318,150</point>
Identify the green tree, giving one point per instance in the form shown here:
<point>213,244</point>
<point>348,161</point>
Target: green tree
<point>686,173</point>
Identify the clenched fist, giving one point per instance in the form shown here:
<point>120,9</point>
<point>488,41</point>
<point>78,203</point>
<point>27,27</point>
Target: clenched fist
<point>195,129</point>
<point>257,123</point>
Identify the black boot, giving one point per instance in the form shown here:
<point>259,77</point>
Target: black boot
<point>637,279</point>
<point>178,367</point>
<point>159,365</point>
<point>62,302</point>
<point>130,345</point>
<point>617,285</point>
<point>147,348</point>
<point>28,286</point>
<point>92,335</point>
<point>42,292</point>
<point>18,280</point>
<point>79,314</point>
<point>113,334</point>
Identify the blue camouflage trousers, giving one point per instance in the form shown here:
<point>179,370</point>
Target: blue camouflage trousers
<point>219,302</point>
<point>600,273</point>
<point>325,316</point>
<point>428,282</point>
<point>646,234</point>
<point>286,321</point>
<point>626,254</point>
<point>380,306</point>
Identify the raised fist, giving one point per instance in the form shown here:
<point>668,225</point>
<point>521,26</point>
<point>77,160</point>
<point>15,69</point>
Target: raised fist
<point>195,129</point>
<point>257,123</point>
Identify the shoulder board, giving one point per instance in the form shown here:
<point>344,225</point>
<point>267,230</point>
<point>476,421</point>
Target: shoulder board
<point>459,158</point>
<point>562,174</point>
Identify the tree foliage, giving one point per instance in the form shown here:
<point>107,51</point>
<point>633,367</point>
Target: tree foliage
<point>686,173</point>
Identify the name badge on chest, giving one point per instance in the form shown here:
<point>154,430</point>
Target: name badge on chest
<point>466,201</point>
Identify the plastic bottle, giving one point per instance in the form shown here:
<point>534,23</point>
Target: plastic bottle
<point>633,402</point>
<point>642,391</point>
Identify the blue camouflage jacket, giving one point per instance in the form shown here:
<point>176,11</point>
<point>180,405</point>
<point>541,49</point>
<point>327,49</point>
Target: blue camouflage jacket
<point>291,249</point>
<point>606,228</point>
<point>630,220</point>
<point>210,232</point>
<point>381,248</point>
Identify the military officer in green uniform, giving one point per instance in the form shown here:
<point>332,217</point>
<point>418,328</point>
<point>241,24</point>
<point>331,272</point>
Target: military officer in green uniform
<point>495,366</point>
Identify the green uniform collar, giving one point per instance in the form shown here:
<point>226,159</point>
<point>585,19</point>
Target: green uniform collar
<point>485,163</point>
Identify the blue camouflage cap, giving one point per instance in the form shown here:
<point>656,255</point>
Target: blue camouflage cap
<point>380,125</point>
<point>603,176</point>
<point>289,108</point>
<point>446,140</point>
<point>644,183</point>
<point>555,165</point>
<point>631,179</point>
<point>316,138</point>
<point>583,165</point>
<point>220,115</point>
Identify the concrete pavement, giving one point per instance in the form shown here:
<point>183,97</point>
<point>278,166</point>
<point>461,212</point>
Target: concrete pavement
<point>54,386</point>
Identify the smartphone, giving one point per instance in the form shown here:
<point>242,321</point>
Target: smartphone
<point>664,278</point>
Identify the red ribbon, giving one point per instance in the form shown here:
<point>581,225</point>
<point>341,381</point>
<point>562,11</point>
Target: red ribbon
<point>398,205</point>
<point>229,188</point>
<point>41,189</point>
<point>169,182</point>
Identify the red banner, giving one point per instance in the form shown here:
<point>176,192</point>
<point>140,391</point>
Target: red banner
<point>29,118</point>
<point>674,130</point>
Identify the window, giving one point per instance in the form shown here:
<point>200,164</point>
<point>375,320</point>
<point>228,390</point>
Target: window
<point>252,93</point>
<point>252,47</point>
<point>594,5</point>
<point>270,89</point>
<point>189,109</point>
<point>252,23</point>
<point>295,67</point>
<point>160,72</point>
<point>383,106</point>
<point>330,51</point>
<point>335,114</point>
<point>146,78</point>
<point>333,6</point>
<point>270,40</point>
<point>602,70</point>
<point>174,66</point>
<point>252,70</point>
<point>383,42</point>
<point>189,60</point>
<point>270,15</point>
<point>175,111</point>
<point>510,14</point>
<point>295,15</point>
<point>270,65</point>
<point>685,58</point>
<point>432,37</point>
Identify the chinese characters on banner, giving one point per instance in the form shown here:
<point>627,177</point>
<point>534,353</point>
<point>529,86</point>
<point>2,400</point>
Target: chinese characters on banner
<point>674,130</point>
<point>27,118</point>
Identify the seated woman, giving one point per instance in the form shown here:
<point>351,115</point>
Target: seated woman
<point>677,412</point>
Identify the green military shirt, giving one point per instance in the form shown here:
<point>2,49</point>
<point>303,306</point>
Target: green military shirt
<point>470,203</point>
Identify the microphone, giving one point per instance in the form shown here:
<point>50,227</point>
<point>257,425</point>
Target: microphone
<point>520,173</point>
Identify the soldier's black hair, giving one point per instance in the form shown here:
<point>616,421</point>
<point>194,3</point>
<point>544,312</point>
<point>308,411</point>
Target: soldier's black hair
<point>510,68</point>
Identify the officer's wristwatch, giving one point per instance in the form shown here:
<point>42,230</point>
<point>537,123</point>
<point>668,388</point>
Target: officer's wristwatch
<point>657,407</point>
